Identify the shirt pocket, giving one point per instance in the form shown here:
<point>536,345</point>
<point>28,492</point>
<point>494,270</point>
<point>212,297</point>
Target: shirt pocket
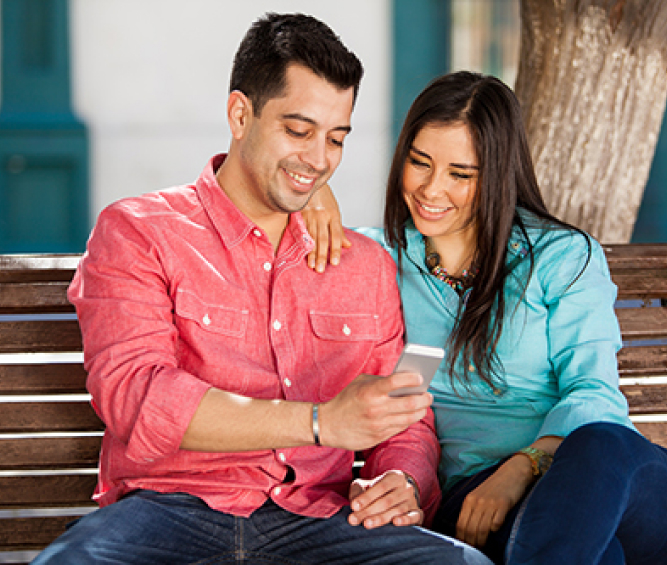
<point>345,327</point>
<point>342,345</point>
<point>209,318</point>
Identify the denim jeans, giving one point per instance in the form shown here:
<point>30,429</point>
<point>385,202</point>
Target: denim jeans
<point>604,501</point>
<point>450,508</point>
<point>149,528</point>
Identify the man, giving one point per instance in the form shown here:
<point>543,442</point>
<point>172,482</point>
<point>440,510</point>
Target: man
<point>235,383</point>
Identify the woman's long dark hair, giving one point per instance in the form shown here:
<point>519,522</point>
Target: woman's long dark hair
<point>506,182</point>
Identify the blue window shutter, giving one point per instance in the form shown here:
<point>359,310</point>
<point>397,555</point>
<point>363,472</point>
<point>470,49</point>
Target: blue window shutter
<point>44,170</point>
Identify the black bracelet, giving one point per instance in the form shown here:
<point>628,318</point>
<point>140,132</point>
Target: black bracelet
<point>413,484</point>
<point>316,424</point>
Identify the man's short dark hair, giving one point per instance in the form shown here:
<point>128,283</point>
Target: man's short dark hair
<point>275,41</point>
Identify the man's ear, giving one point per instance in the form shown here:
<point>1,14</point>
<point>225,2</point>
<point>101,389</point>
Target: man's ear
<point>239,112</point>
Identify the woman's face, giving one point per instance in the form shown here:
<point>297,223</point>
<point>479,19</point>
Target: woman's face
<point>440,179</point>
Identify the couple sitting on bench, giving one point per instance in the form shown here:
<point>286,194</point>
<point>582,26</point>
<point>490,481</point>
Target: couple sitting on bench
<point>236,382</point>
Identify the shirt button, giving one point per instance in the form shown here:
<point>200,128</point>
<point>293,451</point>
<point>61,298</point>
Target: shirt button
<point>282,457</point>
<point>347,330</point>
<point>276,491</point>
<point>257,232</point>
<point>277,325</point>
<point>267,266</point>
<point>206,320</point>
<point>288,382</point>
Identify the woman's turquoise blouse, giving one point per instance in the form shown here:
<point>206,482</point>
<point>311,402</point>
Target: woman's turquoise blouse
<point>557,348</point>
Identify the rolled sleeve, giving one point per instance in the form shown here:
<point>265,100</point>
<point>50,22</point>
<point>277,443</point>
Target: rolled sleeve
<point>126,318</point>
<point>583,338</point>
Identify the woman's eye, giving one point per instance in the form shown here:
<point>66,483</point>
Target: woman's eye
<point>462,176</point>
<point>417,162</point>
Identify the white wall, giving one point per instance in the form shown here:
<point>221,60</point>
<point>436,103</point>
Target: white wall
<point>150,80</point>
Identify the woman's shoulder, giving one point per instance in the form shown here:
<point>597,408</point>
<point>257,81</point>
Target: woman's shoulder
<point>374,233</point>
<point>561,254</point>
<point>551,239</point>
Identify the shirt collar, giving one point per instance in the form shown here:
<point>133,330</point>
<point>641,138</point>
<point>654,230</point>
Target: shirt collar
<point>232,224</point>
<point>517,247</point>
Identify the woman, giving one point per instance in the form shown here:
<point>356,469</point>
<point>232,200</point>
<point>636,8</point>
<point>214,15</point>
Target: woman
<point>525,307</point>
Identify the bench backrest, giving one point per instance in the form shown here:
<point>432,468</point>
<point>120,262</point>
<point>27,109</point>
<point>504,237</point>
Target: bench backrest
<point>50,436</point>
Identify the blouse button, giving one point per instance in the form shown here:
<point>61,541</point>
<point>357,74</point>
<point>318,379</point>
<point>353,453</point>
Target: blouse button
<point>347,330</point>
<point>515,245</point>
<point>471,368</point>
<point>206,320</point>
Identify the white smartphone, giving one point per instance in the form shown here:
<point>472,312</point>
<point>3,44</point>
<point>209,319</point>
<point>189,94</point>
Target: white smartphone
<point>422,359</point>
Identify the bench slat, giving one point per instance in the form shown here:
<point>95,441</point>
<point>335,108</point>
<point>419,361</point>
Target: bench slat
<point>50,453</point>
<point>642,360</point>
<point>653,431</point>
<point>641,284</point>
<point>47,491</point>
<point>40,336</point>
<point>642,323</point>
<point>53,378</point>
<point>34,417</point>
<point>35,297</point>
<point>645,399</point>
<point>636,256</point>
<point>21,534</point>
<point>47,267</point>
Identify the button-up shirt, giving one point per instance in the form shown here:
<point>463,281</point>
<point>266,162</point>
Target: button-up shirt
<point>558,348</point>
<point>179,292</point>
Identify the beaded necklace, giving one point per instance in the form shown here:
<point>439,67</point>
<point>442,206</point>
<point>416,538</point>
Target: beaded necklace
<point>459,284</point>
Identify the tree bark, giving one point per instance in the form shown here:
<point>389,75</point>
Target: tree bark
<point>592,81</point>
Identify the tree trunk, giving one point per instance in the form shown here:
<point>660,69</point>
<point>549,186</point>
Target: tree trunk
<point>593,84</point>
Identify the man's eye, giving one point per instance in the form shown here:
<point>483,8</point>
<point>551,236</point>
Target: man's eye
<point>337,142</point>
<point>294,133</point>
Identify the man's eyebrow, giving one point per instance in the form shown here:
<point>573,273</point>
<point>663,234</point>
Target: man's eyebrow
<point>302,118</point>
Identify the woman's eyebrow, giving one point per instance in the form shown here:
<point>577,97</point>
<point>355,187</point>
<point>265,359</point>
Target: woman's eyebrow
<point>464,166</point>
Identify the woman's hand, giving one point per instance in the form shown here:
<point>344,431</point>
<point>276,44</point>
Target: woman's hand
<point>484,509</point>
<point>323,221</point>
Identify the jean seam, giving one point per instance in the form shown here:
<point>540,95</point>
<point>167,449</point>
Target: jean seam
<point>515,526</point>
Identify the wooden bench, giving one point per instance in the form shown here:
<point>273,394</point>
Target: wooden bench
<point>50,437</point>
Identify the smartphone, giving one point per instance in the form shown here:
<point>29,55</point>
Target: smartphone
<point>422,359</point>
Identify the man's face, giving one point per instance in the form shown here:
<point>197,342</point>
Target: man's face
<point>295,145</point>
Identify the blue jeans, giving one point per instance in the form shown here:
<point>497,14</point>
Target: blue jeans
<point>604,501</point>
<point>149,528</point>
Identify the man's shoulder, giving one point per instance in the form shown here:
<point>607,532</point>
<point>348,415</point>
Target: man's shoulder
<point>170,201</point>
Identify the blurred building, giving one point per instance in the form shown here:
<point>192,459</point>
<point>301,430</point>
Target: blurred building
<point>103,99</point>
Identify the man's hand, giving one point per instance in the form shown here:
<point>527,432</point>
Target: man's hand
<point>363,414</point>
<point>323,221</point>
<point>389,498</point>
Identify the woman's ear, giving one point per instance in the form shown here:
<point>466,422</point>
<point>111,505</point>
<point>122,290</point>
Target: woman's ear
<point>239,111</point>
